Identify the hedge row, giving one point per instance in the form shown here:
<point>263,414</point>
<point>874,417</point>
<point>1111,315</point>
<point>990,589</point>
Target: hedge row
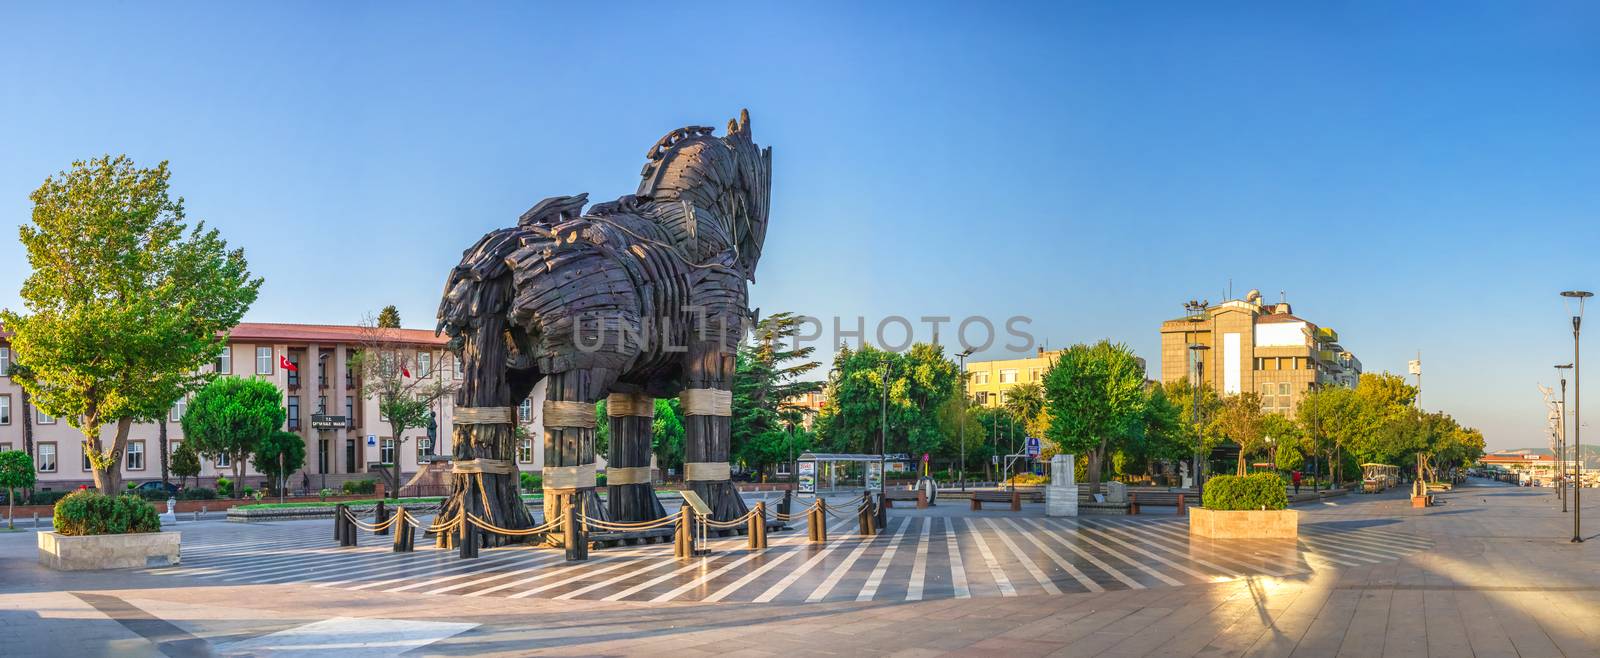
<point>1250,492</point>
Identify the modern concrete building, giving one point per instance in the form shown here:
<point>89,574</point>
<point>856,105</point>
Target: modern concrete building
<point>323,401</point>
<point>1258,347</point>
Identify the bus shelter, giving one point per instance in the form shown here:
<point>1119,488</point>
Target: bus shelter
<point>827,472</point>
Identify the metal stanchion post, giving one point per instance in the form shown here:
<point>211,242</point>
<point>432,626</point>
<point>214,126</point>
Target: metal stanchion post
<point>381,516</point>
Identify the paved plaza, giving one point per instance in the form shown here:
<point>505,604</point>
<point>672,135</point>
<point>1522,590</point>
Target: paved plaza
<point>1489,572</point>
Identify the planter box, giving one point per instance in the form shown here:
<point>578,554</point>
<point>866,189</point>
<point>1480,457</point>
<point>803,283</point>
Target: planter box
<point>1246,524</point>
<point>1421,501</point>
<point>130,551</point>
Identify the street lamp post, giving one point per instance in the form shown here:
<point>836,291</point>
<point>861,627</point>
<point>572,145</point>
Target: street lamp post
<point>962,429</point>
<point>883,441</point>
<point>1562,440</point>
<point>1197,313</point>
<point>1577,417</point>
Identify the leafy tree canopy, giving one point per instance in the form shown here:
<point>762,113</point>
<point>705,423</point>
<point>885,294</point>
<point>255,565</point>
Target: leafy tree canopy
<point>125,303</point>
<point>1096,400</point>
<point>231,416</point>
<point>279,454</point>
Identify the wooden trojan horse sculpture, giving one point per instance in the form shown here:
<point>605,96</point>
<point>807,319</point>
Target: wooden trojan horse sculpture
<point>636,299</point>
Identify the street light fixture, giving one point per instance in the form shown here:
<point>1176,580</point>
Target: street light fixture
<point>1577,417</point>
<point>1562,441</point>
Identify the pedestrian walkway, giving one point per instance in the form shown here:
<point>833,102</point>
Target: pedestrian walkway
<point>921,555</point>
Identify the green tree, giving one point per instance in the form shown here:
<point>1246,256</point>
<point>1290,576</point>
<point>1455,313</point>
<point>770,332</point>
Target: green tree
<point>230,417</point>
<point>667,434</point>
<point>1163,433</point>
<point>389,374</point>
<point>1284,439</point>
<point>16,472</point>
<point>1095,397</point>
<point>389,317</point>
<point>124,305</point>
<point>279,454</point>
<point>1332,419</point>
<point>1240,421</point>
<point>768,381</point>
<point>1026,402</point>
<point>921,382</point>
<point>185,463</point>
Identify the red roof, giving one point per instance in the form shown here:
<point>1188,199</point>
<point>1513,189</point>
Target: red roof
<point>326,333</point>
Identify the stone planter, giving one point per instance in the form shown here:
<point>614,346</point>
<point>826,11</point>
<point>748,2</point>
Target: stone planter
<point>129,551</point>
<point>1245,524</point>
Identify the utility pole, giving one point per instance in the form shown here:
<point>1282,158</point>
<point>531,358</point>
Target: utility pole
<point>1577,414</point>
<point>962,429</point>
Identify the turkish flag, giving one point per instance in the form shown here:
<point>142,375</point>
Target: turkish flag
<point>405,372</point>
<point>283,362</point>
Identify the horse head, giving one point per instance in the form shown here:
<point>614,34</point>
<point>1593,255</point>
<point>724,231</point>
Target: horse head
<point>729,176</point>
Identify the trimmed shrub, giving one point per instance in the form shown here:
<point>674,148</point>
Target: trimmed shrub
<point>1251,492</point>
<point>224,487</point>
<point>46,497</point>
<point>361,486</point>
<point>90,513</point>
<point>197,493</point>
<point>155,495</point>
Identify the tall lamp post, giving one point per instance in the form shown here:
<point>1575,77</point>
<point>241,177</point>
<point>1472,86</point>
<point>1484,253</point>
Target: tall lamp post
<point>1562,440</point>
<point>1197,313</point>
<point>1577,417</point>
<point>962,428</point>
<point>883,440</point>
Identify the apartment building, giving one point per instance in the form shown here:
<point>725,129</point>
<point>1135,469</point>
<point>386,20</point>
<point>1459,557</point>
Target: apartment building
<point>1252,346</point>
<point>323,402</point>
<point>988,381</point>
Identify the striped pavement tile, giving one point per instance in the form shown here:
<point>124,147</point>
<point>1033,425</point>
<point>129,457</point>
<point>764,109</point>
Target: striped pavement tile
<point>916,557</point>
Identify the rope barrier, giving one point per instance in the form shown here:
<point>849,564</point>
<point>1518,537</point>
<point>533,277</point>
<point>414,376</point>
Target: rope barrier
<point>369,527</point>
<point>626,527</point>
<point>730,523</point>
<point>536,530</point>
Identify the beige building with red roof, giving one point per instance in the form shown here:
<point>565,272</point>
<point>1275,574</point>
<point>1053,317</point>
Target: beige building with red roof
<point>342,430</point>
<point>1251,346</point>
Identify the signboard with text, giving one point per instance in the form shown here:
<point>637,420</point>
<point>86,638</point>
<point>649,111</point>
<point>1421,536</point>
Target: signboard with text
<point>1033,447</point>
<point>808,477</point>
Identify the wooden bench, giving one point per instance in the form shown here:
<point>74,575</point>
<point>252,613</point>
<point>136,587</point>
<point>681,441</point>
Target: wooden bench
<point>891,495</point>
<point>981,497</point>
<point>1158,498</point>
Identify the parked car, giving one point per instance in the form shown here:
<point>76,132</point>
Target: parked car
<point>157,485</point>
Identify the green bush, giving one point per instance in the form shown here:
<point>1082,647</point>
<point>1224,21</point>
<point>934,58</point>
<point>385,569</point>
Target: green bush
<point>224,487</point>
<point>361,486</point>
<point>197,493</point>
<point>154,495</point>
<point>1251,492</point>
<point>46,497</point>
<point>531,482</point>
<point>90,513</point>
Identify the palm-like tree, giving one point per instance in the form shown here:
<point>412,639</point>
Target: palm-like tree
<point>1025,401</point>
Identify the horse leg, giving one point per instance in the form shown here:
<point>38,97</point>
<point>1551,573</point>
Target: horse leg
<point>630,495</point>
<point>708,428</point>
<point>569,424</point>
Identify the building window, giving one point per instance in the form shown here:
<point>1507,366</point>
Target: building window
<point>47,458</point>
<point>5,361</point>
<point>294,375</point>
<point>349,377</point>
<point>349,455</point>
<point>386,454</point>
<point>525,411</point>
<point>1035,374</point>
<point>263,360</point>
<point>980,377</point>
<point>43,418</point>
<point>322,371</point>
<point>5,410</point>
<point>87,465</point>
<point>424,448</point>
<point>135,455</point>
<point>349,411</point>
<point>5,447</point>
<point>294,413</point>
<point>1269,397</point>
<point>178,409</point>
<point>424,364</point>
<point>322,404</point>
<point>982,397</point>
<point>1008,376</point>
<point>322,455</point>
<point>224,362</point>
<point>525,451</point>
<point>224,461</point>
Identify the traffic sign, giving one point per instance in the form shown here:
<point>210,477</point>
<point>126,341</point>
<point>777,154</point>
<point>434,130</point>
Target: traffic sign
<point>1033,447</point>
<point>372,439</point>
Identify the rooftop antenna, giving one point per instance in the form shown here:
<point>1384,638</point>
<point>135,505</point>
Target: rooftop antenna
<point>1283,297</point>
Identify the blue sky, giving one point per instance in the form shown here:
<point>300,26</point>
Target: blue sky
<point>1415,175</point>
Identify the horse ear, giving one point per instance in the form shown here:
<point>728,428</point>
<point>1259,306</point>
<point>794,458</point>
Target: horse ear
<point>744,121</point>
